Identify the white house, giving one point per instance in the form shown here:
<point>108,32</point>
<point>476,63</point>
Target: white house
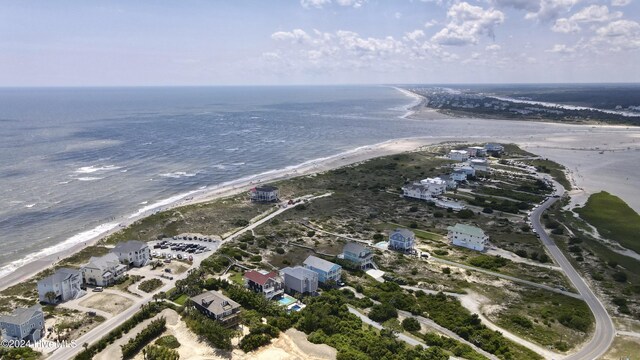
<point>479,164</point>
<point>459,155</point>
<point>64,284</point>
<point>416,191</point>
<point>449,181</point>
<point>435,186</point>
<point>467,169</point>
<point>493,147</point>
<point>133,253</point>
<point>459,175</point>
<point>477,151</point>
<point>468,236</point>
<point>103,271</point>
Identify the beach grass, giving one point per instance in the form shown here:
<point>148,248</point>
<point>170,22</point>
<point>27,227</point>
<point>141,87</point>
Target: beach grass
<point>181,300</point>
<point>613,218</point>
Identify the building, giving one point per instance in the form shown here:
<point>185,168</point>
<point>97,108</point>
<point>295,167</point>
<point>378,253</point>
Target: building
<point>459,175</point>
<point>264,193</point>
<point>467,169</point>
<point>402,240</point>
<point>449,181</point>
<point>63,285</point>
<point>494,148</point>
<point>479,164</point>
<point>300,280</point>
<point>459,155</point>
<point>358,254</point>
<point>449,204</point>
<point>217,307</point>
<point>477,151</point>
<point>468,236</point>
<point>103,271</point>
<point>435,186</point>
<point>270,284</point>
<point>416,191</point>
<point>326,270</point>
<point>23,324</point>
<point>133,253</point>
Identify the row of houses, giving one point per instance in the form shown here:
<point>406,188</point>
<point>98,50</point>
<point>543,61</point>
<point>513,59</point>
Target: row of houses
<point>66,284</point>
<point>475,152</point>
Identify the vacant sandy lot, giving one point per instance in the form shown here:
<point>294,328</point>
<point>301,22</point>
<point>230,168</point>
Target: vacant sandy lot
<point>111,303</point>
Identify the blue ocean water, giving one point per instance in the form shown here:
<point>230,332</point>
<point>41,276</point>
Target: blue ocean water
<point>72,159</point>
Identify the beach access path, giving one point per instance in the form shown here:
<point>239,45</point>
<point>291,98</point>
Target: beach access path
<point>101,330</point>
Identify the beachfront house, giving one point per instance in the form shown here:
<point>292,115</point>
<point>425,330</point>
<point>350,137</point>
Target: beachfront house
<point>23,324</point>
<point>458,155</point>
<point>494,148</point>
<point>299,280</point>
<point>269,284</point>
<point>449,181</point>
<point>467,169</point>
<point>218,307</point>
<point>458,175</point>
<point>103,271</point>
<point>402,240</point>
<point>479,164</point>
<point>477,151</point>
<point>266,193</point>
<point>358,254</point>
<point>63,285</point>
<point>326,270</point>
<point>133,253</point>
<point>416,191</point>
<point>435,186</point>
<point>467,236</point>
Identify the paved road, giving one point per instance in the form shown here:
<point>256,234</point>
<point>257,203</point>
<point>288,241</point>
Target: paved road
<point>508,277</point>
<point>605,331</point>
<point>402,337</point>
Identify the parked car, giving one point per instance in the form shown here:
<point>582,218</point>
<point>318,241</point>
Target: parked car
<point>98,289</point>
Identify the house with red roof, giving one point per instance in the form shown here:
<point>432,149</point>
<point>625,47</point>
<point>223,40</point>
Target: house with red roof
<point>270,284</point>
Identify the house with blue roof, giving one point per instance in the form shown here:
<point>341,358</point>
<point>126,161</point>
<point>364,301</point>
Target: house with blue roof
<point>326,270</point>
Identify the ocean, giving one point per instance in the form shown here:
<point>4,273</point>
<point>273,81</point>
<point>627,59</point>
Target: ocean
<point>74,162</point>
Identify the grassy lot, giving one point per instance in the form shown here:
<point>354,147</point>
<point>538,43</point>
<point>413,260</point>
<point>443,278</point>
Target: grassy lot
<point>237,278</point>
<point>613,218</point>
<point>549,319</point>
<point>150,285</point>
<point>181,300</point>
<point>623,347</point>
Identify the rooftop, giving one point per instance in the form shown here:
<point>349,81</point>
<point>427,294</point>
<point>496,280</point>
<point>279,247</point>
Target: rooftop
<point>103,262</point>
<point>129,246</point>
<point>318,263</point>
<point>260,278</point>
<point>21,315</point>
<point>467,229</point>
<point>215,302</point>
<point>265,188</point>
<point>355,248</point>
<point>404,232</point>
<point>60,275</point>
<point>298,272</point>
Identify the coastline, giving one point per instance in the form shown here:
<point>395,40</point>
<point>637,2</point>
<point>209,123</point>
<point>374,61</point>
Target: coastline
<point>544,145</point>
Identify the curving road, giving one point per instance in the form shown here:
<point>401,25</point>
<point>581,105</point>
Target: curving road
<point>605,331</point>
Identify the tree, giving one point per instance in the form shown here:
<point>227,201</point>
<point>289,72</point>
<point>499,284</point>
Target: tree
<point>382,312</point>
<point>620,276</point>
<point>410,324</point>
<point>50,296</point>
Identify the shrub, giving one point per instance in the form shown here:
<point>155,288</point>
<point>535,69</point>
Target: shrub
<point>413,209</point>
<point>150,285</point>
<point>441,252</point>
<point>311,233</point>
<point>241,222</point>
<point>438,214</point>
<point>382,312</point>
<point>488,262</point>
<point>153,352</point>
<point>557,231</point>
<point>487,210</point>
<point>465,214</point>
<point>620,276</point>
<point>378,237</point>
<point>168,341</point>
<point>153,330</point>
<point>612,264</point>
<point>413,225</point>
<point>410,324</point>
<point>280,250</point>
<point>521,253</point>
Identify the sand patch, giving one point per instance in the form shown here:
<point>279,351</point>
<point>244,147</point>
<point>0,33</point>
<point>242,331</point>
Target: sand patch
<point>111,303</point>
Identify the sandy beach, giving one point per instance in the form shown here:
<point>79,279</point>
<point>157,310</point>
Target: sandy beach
<point>597,157</point>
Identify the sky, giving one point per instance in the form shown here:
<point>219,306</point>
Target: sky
<point>298,42</point>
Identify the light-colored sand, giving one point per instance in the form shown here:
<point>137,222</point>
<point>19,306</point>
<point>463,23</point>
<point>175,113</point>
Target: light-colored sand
<point>107,302</point>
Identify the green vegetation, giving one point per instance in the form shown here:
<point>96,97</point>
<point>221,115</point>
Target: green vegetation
<point>383,312</point>
<point>410,324</point>
<point>258,336</point>
<point>488,262</point>
<point>613,218</point>
<point>212,331</point>
<point>153,352</point>
<point>153,330</point>
<point>552,168</point>
<point>147,311</point>
<point>150,285</point>
<point>454,346</point>
<point>21,353</point>
<point>180,300</point>
<point>168,341</point>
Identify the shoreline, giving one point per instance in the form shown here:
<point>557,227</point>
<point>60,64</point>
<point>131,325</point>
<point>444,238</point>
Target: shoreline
<point>30,268</point>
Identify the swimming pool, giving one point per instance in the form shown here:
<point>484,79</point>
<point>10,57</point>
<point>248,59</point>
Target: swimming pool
<point>296,307</point>
<point>286,300</point>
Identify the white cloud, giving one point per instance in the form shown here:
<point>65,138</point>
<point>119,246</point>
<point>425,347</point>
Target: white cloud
<point>493,47</point>
<point>620,2</point>
<point>431,23</point>
<point>398,15</point>
<point>314,3</point>
<point>551,9</point>
<point>590,14</point>
<point>467,24</point>
<point>566,26</point>
<point>620,28</point>
<point>529,5</point>
<point>296,36</point>
<point>414,35</point>
<point>561,49</point>
<point>354,3</point>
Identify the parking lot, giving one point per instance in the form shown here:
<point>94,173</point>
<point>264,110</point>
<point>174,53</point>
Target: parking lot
<point>183,247</point>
